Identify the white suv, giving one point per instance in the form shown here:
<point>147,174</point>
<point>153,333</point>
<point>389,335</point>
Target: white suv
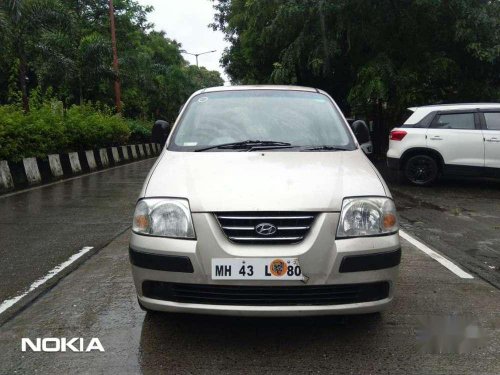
<point>458,139</point>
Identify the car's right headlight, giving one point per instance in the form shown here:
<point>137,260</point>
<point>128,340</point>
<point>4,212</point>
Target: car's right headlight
<point>367,216</point>
<point>163,217</point>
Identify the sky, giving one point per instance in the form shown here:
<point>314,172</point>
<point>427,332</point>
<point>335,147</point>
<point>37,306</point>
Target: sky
<point>187,21</point>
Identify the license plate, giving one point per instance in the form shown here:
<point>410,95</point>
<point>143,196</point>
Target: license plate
<point>256,269</point>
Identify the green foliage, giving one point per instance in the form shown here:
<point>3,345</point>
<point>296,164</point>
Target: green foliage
<point>62,49</point>
<point>88,128</point>
<point>49,128</point>
<point>140,131</point>
<point>367,53</point>
<point>35,134</point>
<point>55,60</point>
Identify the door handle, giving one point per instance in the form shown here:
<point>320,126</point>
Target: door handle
<point>493,139</point>
<point>436,138</point>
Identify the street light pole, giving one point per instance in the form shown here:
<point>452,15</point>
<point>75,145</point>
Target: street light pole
<point>196,54</point>
<point>118,100</point>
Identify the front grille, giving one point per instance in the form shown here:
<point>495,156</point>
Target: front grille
<point>241,227</point>
<point>266,295</point>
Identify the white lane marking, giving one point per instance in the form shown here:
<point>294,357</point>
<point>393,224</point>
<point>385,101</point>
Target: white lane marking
<point>441,259</point>
<point>54,271</point>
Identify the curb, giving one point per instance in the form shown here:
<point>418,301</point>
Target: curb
<point>37,171</point>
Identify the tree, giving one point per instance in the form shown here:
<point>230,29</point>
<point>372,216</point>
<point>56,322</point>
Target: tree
<point>18,20</point>
<point>369,55</point>
<point>63,47</point>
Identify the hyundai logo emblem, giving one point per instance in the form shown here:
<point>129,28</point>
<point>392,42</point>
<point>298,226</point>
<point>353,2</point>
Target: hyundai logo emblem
<point>265,229</point>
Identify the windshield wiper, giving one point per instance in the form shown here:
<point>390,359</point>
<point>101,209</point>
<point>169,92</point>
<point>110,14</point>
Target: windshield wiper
<point>324,148</point>
<point>245,145</point>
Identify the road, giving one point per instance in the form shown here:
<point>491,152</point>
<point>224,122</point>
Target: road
<point>98,300</point>
<point>43,227</point>
<point>459,217</point>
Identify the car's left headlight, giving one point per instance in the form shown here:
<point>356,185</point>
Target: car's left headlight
<point>163,217</point>
<point>367,216</point>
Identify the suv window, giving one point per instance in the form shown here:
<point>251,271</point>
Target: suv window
<point>423,123</point>
<point>492,120</point>
<point>454,121</point>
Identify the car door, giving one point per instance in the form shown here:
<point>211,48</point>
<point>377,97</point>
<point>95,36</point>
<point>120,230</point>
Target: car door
<point>491,131</point>
<point>458,137</point>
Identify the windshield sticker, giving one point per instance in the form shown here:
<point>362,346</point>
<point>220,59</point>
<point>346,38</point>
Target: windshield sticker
<point>190,143</point>
<point>203,99</point>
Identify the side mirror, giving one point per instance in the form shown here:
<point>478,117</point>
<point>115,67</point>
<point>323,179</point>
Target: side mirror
<point>361,131</point>
<point>160,132</point>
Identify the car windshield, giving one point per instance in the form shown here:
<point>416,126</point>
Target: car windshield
<point>296,118</point>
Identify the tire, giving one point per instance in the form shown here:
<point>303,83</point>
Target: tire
<point>421,170</point>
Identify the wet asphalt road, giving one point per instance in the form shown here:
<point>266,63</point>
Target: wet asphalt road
<point>458,217</point>
<point>41,228</point>
<point>98,299</point>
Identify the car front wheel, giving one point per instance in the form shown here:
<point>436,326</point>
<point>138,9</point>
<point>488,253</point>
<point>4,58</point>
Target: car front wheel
<point>421,170</point>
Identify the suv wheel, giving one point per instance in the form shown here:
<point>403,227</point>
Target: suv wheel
<point>421,170</point>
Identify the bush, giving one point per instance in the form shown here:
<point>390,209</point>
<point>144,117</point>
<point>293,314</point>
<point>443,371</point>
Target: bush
<point>36,134</point>
<point>140,131</point>
<point>87,128</point>
<point>51,129</point>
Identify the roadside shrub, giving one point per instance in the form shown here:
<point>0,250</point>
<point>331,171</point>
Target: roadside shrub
<point>35,134</point>
<point>51,129</point>
<point>11,127</point>
<point>88,128</point>
<point>140,131</point>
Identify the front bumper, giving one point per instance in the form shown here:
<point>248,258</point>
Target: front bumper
<point>324,260</point>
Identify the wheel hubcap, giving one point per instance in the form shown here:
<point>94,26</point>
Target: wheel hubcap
<point>420,170</point>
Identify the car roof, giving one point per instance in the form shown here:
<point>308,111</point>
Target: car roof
<point>256,87</point>
<point>447,107</point>
<point>420,112</point>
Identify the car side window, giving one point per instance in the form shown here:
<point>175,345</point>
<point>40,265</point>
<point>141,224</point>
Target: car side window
<point>454,121</point>
<point>492,120</point>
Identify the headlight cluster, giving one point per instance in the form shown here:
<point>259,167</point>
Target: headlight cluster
<point>367,216</point>
<point>163,217</point>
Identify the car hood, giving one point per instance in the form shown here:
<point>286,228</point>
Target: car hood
<point>264,181</point>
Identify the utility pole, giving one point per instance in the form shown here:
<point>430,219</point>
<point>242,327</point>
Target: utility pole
<point>196,54</point>
<point>118,100</point>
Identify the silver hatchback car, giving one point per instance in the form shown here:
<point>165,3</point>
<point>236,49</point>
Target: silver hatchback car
<point>262,203</point>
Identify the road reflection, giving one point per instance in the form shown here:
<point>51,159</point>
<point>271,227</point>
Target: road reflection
<point>188,343</point>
